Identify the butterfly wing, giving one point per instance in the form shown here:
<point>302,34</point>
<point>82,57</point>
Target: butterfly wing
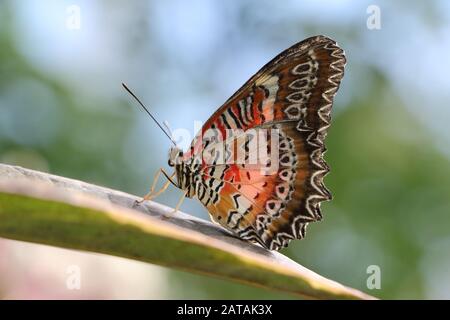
<point>292,96</point>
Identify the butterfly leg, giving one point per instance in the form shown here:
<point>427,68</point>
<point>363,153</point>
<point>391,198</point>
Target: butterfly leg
<point>152,194</point>
<point>169,215</point>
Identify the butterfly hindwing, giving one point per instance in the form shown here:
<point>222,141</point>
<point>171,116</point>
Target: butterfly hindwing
<point>292,96</point>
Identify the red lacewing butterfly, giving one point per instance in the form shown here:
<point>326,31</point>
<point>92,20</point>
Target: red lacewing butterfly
<point>269,199</point>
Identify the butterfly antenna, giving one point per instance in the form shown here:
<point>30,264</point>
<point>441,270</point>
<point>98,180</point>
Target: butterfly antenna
<point>148,112</point>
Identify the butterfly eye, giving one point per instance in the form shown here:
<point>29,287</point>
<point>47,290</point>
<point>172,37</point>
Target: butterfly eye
<point>170,163</point>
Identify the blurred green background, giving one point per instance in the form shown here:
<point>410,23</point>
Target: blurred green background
<point>62,110</point>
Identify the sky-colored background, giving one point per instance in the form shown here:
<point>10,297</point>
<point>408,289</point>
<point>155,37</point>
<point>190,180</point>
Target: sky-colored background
<point>62,110</point>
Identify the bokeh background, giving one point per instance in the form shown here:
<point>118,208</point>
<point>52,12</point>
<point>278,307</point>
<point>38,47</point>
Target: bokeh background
<point>62,110</point>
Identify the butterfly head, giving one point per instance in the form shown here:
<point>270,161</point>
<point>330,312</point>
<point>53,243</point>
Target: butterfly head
<point>175,156</point>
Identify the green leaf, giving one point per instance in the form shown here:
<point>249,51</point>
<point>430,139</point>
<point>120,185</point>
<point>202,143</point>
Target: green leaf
<point>57,211</point>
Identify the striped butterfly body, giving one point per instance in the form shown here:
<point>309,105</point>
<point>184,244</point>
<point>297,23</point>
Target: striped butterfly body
<point>269,192</point>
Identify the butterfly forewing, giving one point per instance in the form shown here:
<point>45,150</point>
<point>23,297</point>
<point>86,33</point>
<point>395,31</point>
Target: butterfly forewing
<point>288,102</point>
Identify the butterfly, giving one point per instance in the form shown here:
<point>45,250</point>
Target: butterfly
<point>283,113</point>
